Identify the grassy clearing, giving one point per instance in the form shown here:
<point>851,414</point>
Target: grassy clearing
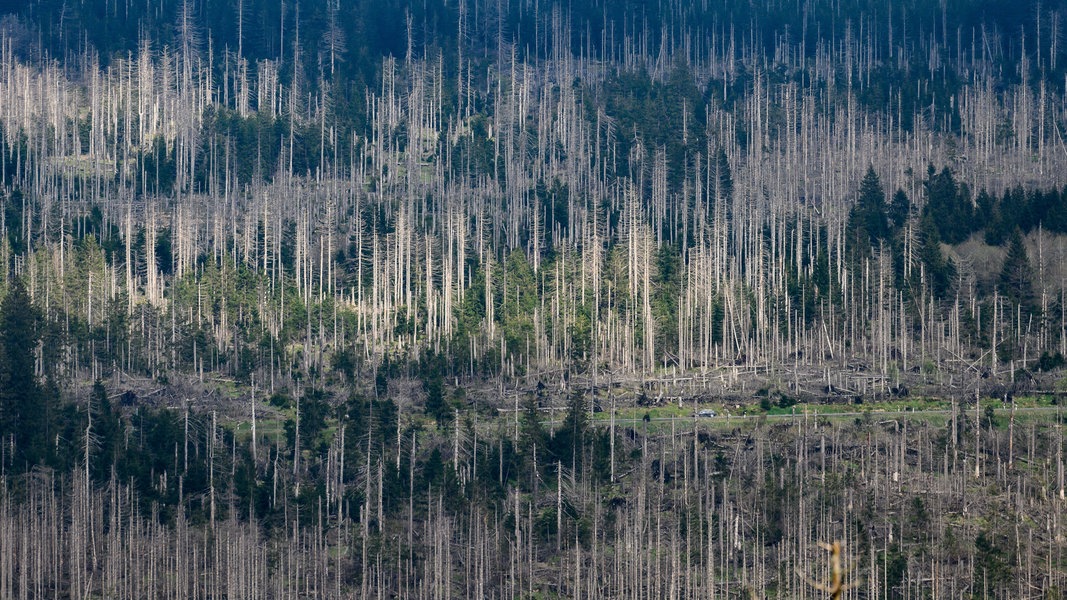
<point>227,388</point>
<point>934,411</point>
<point>270,424</point>
<point>662,418</point>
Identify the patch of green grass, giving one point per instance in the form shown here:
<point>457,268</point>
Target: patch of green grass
<point>272,427</point>
<point>228,388</point>
<point>1043,400</point>
<point>665,411</point>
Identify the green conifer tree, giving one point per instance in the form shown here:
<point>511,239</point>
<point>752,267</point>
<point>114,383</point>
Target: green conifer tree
<point>23,407</point>
<point>868,224</point>
<point>1017,276</point>
<point>106,430</point>
<point>939,271</point>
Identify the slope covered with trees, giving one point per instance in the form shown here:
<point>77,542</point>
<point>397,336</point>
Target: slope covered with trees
<point>635,191</point>
<point>401,232</point>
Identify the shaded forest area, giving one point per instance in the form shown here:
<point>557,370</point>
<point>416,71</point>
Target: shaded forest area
<point>333,298</point>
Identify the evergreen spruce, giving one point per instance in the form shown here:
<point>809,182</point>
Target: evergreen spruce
<point>23,405</point>
<point>868,223</point>
<point>1017,276</point>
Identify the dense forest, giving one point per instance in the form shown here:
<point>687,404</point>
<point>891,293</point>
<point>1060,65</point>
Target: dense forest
<point>331,298</point>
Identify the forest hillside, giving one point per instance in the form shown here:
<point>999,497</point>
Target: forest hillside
<point>471,298</point>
